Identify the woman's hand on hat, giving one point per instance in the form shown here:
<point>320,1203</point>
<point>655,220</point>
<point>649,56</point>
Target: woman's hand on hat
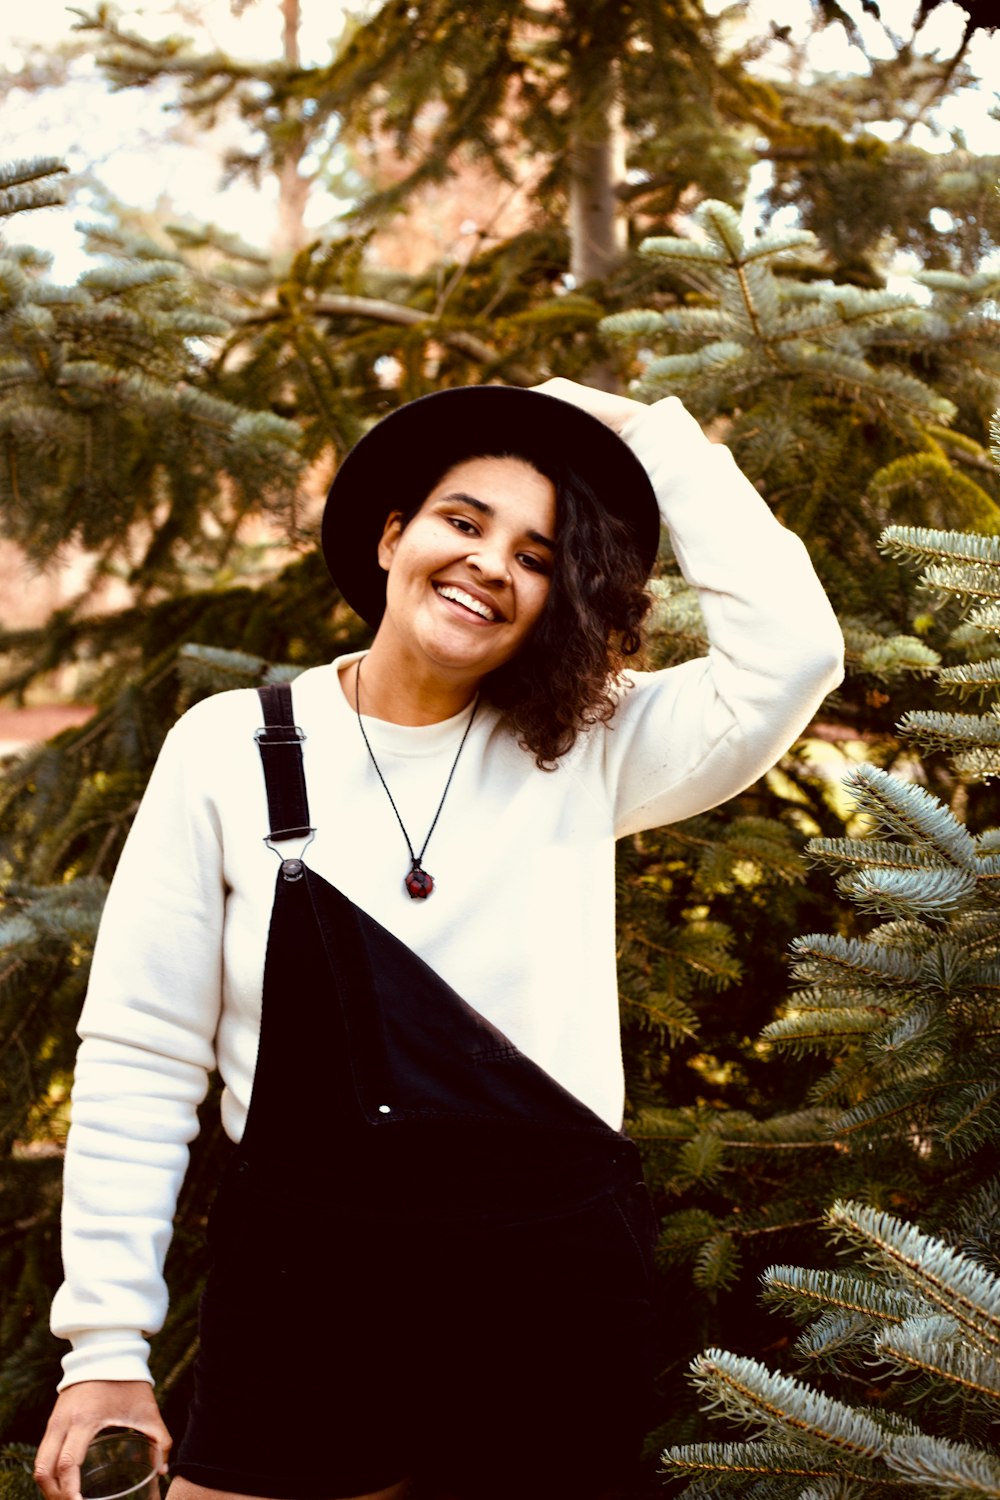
<point>81,1412</point>
<point>612,409</point>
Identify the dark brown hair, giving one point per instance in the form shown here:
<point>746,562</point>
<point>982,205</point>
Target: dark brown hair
<point>562,680</point>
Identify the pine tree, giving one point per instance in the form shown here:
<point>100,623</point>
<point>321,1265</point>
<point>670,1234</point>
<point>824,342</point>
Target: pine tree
<point>88,370</point>
<point>797,368</point>
<point>617,116</point>
<point>327,341</point>
<point>568,84</point>
<point>901,1352</point>
<point>803,369</point>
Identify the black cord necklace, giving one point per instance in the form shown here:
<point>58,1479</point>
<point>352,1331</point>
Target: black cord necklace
<point>418,883</point>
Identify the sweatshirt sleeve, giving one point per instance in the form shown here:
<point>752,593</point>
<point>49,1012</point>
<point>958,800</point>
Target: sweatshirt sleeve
<point>147,1027</point>
<point>686,738</point>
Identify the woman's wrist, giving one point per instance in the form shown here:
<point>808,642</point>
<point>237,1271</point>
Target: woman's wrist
<point>106,1354</point>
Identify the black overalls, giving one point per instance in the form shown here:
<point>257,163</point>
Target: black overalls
<point>428,1257</point>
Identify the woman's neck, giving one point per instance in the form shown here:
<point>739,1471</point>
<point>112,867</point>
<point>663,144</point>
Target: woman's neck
<point>402,693</point>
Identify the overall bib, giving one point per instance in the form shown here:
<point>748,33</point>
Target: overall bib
<point>427,1257</point>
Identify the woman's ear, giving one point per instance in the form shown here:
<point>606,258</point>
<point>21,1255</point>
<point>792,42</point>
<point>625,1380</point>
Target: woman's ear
<point>389,540</point>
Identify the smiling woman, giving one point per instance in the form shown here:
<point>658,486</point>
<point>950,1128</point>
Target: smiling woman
<point>467,582</point>
<point>438,1256</point>
<point>468,576</point>
<point>598,550</point>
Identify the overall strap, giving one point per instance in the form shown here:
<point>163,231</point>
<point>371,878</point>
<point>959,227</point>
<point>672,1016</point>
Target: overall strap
<point>280,745</point>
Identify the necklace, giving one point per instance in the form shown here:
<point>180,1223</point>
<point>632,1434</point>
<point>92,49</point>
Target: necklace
<point>418,883</point>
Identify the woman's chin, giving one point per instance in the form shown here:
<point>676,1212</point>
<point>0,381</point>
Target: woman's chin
<point>461,649</point>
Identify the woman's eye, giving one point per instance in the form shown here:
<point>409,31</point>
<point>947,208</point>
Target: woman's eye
<point>461,524</point>
<point>532,563</point>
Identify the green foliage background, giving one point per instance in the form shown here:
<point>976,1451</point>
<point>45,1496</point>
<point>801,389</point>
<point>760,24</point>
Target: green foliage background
<point>189,387</point>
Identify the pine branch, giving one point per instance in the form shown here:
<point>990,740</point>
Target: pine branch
<point>822,958</point>
<point>801,1293</point>
<point>901,807</point>
<point>382,311</point>
<point>818,1031</point>
<point>955,1468</point>
<point>921,545</point>
<point>753,1458</point>
<point>971,677</point>
<point>934,1346</point>
<point>946,1278</point>
<point>26,185</point>
<point>748,1393</point>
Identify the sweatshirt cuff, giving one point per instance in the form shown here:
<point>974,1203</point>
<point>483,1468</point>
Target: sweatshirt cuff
<point>669,443</point>
<point>106,1354</point>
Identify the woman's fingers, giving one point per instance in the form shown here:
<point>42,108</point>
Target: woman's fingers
<point>57,1466</point>
<point>607,406</point>
<point>80,1413</point>
<point>47,1459</point>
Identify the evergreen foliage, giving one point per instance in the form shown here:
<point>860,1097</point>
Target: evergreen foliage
<point>497,81</point>
<point>908,1015</point>
<point>215,378</point>
<point>87,372</point>
<point>16,1465</point>
<point>413,90</point>
<point>802,367</point>
<point>927,1316</point>
<point>797,368</point>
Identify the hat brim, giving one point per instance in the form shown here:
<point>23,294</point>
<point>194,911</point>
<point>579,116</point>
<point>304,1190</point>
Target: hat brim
<point>399,460</point>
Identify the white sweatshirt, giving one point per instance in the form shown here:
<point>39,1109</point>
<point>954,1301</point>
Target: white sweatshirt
<point>521,922</point>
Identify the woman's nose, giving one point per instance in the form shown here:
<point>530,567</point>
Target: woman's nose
<point>491,562</point>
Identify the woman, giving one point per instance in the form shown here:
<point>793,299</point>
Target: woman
<point>432,1248</point>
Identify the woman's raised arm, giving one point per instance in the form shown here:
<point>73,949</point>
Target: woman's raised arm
<point>688,737</point>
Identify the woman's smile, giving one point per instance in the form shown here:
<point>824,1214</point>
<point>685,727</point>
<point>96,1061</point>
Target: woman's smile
<point>468,602</point>
<point>469,574</point>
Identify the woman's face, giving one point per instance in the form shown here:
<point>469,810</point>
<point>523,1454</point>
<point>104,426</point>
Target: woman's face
<point>469,574</point>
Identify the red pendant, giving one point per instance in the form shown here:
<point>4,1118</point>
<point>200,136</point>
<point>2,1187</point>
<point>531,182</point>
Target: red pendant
<point>418,884</point>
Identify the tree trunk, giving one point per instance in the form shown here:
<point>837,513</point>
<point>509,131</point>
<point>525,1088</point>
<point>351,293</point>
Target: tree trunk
<point>293,188</point>
<point>598,231</point>
<point>597,228</point>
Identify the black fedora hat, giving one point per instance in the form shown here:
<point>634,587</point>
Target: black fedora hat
<point>400,460</point>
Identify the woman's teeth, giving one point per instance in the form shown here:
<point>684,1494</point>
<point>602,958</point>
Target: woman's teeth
<point>459,596</point>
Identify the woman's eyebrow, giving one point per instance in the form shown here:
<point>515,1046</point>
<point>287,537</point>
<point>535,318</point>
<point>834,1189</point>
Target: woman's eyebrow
<point>487,510</point>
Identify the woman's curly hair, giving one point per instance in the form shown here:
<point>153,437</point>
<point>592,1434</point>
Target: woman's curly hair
<point>562,680</point>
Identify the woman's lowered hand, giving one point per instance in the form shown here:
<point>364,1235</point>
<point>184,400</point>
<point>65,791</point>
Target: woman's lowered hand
<point>80,1413</point>
<point>608,407</point>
